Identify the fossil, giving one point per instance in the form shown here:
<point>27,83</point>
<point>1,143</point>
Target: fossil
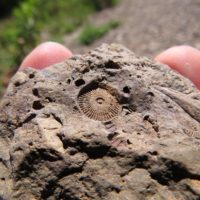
<point>104,125</point>
<point>99,104</point>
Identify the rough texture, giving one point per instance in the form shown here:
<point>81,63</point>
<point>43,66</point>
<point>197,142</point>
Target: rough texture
<point>104,125</point>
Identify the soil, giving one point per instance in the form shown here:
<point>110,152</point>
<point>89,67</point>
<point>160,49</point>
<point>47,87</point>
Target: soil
<point>147,27</point>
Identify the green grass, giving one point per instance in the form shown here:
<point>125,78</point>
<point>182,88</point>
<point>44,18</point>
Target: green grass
<point>22,31</point>
<point>91,33</point>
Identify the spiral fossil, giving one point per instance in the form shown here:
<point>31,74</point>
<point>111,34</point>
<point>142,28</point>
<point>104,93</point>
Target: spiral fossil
<point>99,104</point>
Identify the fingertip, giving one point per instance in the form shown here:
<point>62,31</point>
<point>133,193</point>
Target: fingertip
<point>174,54</point>
<point>185,60</point>
<point>46,54</point>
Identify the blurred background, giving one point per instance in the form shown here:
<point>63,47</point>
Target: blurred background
<point>145,27</point>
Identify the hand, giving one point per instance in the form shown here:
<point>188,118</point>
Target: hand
<point>184,59</point>
<point>46,54</point>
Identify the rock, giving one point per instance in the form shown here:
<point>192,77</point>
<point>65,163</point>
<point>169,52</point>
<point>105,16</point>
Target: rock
<point>104,125</point>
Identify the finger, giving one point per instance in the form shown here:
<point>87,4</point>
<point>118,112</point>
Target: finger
<point>46,54</point>
<point>185,60</point>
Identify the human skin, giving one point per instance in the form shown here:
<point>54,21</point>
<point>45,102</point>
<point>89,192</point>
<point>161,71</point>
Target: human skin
<point>184,59</point>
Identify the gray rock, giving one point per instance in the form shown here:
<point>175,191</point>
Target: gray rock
<point>104,125</point>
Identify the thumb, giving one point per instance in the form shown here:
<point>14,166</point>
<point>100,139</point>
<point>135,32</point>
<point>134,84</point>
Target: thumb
<point>185,60</point>
<point>46,54</point>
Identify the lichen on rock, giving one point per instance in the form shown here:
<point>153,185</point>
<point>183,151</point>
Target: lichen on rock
<point>104,125</point>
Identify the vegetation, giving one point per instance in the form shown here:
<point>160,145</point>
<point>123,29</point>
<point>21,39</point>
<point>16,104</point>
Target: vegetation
<point>91,33</point>
<point>31,19</point>
<point>101,4</point>
<point>6,6</point>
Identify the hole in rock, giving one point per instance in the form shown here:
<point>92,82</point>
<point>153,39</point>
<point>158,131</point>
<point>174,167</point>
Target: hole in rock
<point>68,81</point>
<point>153,153</point>
<point>146,117</point>
<point>31,143</point>
<point>35,92</point>
<point>31,76</point>
<point>49,99</point>
<point>150,94</point>
<point>112,65</point>
<point>79,82</point>
<point>37,105</point>
<point>29,118</point>
<point>17,84</point>
<point>112,135</point>
<point>126,89</point>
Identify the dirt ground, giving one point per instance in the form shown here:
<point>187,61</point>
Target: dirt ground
<point>148,27</point>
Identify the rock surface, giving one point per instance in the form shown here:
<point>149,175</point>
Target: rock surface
<point>104,125</point>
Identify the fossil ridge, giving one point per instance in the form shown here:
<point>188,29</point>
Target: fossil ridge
<point>105,125</point>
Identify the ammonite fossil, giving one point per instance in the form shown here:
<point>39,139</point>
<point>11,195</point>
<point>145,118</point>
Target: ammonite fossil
<point>99,104</point>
